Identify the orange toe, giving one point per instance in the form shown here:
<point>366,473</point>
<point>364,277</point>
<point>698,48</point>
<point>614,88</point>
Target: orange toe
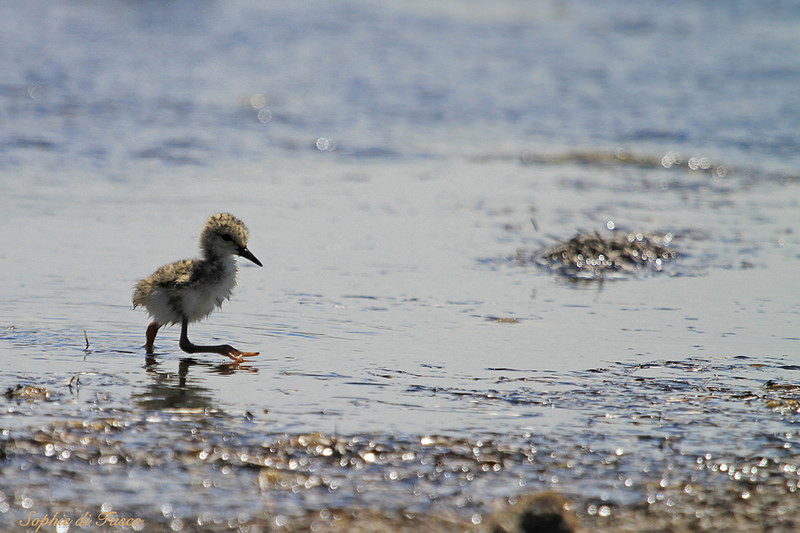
<point>238,356</point>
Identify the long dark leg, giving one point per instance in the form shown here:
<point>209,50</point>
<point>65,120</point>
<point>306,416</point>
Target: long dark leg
<point>222,349</point>
<point>152,331</point>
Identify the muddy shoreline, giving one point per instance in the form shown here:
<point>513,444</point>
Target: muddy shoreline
<point>203,469</point>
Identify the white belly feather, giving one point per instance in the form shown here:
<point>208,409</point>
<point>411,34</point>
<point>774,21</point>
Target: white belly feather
<point>196,299</point>
<point>200,301</point>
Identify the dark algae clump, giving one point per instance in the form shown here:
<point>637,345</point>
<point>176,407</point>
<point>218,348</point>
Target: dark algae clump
<point>597,256</point>
<point>30,393</point>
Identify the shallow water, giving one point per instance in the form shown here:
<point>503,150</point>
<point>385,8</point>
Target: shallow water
<point>390,165</point>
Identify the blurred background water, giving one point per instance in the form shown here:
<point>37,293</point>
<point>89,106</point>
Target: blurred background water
<point>389,160</point>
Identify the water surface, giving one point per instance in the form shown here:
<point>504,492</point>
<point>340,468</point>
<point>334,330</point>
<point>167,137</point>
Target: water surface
<point>390,164</point>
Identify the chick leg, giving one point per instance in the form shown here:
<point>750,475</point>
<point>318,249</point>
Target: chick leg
<point>152,331</point>
<point>222,349</point>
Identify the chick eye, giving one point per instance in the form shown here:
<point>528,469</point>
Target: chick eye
<point>226,237</point>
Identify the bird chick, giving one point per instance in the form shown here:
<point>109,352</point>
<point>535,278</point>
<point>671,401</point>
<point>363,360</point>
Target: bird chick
<point>189,290</point>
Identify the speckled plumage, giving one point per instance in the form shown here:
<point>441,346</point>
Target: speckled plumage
<point>189,290</point>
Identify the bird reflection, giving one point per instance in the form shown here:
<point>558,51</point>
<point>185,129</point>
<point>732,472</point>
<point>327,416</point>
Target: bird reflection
<point>168,390</point>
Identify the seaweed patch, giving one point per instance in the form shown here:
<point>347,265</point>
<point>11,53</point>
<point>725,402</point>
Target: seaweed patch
<point>617,255</point>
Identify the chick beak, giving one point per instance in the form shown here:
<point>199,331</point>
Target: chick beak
<point>247,254</point>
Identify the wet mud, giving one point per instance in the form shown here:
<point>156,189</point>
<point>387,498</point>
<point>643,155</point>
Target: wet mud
<point>645,454</point>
